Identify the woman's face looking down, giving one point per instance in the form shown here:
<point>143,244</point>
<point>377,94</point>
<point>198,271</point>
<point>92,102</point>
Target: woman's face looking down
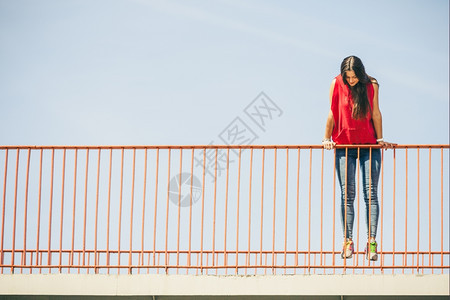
<point>351,78</point>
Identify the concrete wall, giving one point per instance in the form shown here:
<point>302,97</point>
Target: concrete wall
<point>203,285</point>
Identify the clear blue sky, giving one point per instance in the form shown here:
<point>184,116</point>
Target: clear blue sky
<point>179,72</point>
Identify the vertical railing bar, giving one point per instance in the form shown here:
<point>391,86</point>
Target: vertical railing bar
<point>180,183</point>
<point>144,194</point>
<point>405,258</point>
<point>274,206</point>
<point>190,211</point>
<point>197,263</point>
<point>345,203</point>
<point>237,211</point>
<point>275,263</point>
<point>442,210</point>
<point>225,255</point>
<point>334,213</point>
<point>156,206</point>
<point>166,258</point>
<point>16,181</point>
<point>309,210</point>
<point>50,209</point>
<point>286,210</point>
<point>382,213</point>
<point>262,206</point>
<point>321,207</point>
<point>25,218</point>
<point>393,208</point>
<point>214,210</point>
<point>62,209</point>
<point>432,261</point>
<point>217,260</point>
<point>148,262</point>
<point>203,210</point>
<point>133,179</point>
<point>265,260</point>
<point>3,209</point>
<point>96,262</point>
<point>370,203</point>
<point>40,260</point>
<point>298,210</point>
<point>73,205</point>
<point>423,263</point>
<point>429,209</point>
<point>120,210</point>
<point>315,263</point>
<point>85,206</point>
<point>32,252</point>
<point>418,206</point>
<point>250,207</point>
<point>108,217</point>
<point>159,257</point>
<point>358,201</point>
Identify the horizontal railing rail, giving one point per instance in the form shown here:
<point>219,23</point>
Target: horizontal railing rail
<point>215,209</point>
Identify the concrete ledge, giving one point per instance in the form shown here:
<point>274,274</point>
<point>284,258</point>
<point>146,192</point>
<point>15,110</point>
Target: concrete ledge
<point>203,285</point>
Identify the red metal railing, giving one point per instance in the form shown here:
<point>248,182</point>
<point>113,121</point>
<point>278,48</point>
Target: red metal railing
<point>214,210</point>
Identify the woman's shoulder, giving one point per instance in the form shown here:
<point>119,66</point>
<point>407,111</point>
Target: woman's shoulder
<point>337,79</point>
<point>334,82</point>
<point>373,80</point>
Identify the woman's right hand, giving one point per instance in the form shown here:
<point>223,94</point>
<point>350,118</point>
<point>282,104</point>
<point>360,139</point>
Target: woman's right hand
<point>328,144</point>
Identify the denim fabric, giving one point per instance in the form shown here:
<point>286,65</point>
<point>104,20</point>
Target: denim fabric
<point>369,185</point>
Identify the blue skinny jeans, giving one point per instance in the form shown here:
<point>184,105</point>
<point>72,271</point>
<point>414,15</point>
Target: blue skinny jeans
<point>370,163</point>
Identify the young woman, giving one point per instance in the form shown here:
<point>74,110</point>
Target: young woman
<point>355,119</point>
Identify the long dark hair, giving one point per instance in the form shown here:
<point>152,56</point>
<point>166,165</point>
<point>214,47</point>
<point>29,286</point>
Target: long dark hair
<point>361,104</point>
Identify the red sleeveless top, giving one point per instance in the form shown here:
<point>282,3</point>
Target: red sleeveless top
<point>348,131</point>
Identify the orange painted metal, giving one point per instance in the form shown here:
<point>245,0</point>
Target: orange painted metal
<point>297,212</point>
<point>13,246</point>
<point>86,177</point>
<point>156,207</point>
<point>180,182</point>
<point>214,209</point>
<point>285,211</point>
<point>238,210</point>
<point>249,210</point>
<point>100,210</point>
<point>108,216</point>
<point>358,208</point>
<point>405,254</point>
<point>61,221</point>
<point>3,210</point>
<point>71,262</point>
<point>274,206</point>
<point>393,206</point>
<point>144,193</point>
<point>190,211</point>
<point>442,209</point>
<point>225,256</point>
<point>382,211</point>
